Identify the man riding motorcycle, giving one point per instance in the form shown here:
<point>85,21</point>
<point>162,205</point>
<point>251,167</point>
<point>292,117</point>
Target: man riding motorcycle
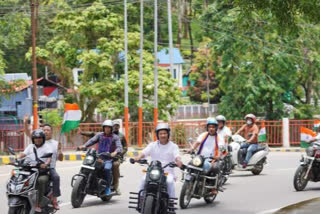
<point>38,143</point>
<point>116,164</point>
<point>209,145</point>
<point>165,151</point>
<point>251,132</point>
<point>108,142</point>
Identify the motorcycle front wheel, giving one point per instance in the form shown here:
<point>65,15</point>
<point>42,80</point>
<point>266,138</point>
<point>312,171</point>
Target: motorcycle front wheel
<point>299,182</point>
<point>209,199</point>
<point>185,195</point>
<point>148,205</point>
<point>78,194</point>
<point>17,210</point>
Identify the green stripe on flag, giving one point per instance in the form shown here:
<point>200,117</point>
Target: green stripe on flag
<point>262,138</point>
<point>69,125</point>
<point>304,144</point>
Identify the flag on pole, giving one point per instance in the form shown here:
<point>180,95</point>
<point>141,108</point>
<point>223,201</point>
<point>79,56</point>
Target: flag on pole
<point>262,137</point>
<point>306,135</point>
<point>72,116</point>
<point>316,125</point>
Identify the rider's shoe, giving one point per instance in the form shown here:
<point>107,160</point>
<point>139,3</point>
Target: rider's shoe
<point>38,209</point>
<point>55,203</point>
<point>108,191</point>
<point>244,165</point>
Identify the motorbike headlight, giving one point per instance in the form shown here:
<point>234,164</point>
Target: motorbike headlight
<point>155,174</point>
<point>89,160</point>
<point>197,161</point>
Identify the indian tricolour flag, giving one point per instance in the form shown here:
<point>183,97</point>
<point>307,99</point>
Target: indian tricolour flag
<point>72,116</point>
<point>316,125</point>
<point>262,133</point>
<point>306,135</point>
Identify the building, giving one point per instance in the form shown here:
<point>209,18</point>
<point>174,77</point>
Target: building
<point>20,103</point>
<point>164,61</point>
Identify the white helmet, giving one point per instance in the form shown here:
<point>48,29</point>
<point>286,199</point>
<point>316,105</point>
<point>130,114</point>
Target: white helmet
<point>107,123</point>
<point>116,122</point>
<point>221,118</point>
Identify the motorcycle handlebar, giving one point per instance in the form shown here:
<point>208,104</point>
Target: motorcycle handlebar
<point>143,161</point>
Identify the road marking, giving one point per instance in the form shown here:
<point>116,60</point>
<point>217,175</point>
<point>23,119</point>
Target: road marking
<point>269,211</point>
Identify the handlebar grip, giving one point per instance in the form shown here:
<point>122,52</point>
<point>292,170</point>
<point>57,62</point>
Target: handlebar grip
<point>132,161</point>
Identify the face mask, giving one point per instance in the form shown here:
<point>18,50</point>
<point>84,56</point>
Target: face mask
<point>249,122</point>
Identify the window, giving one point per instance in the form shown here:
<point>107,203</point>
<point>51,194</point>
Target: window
<point>175,74</point>
<point>80,72</point>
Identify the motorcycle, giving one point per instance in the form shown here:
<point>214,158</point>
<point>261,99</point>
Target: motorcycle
<point>309,169</point>
<point>91,178</point>
<point>154,198</point>
<point>21,188</point>
<point>226,163</point>
<point>198,181</point>
<point>256,162</point>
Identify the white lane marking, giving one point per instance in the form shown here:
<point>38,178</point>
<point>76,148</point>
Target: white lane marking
<point>68,203</point>
<point>4,175</point>
<point>269,211</point>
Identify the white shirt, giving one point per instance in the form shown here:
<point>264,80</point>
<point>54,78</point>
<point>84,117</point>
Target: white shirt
<point>224,132</point>
<point>54,148</point>
<point>209,146</point>
<point>318,138</point>
<point>44,149</point>
<point>163,153</point>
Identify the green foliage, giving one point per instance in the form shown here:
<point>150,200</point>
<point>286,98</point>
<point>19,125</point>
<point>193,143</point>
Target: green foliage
<point>52,117</point>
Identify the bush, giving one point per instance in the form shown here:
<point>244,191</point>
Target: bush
<point>52,117</point>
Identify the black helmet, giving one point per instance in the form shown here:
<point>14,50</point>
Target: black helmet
<point>38,133</point>
<point>162,126</point>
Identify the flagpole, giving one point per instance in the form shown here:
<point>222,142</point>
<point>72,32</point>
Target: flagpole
<point>155,111</point>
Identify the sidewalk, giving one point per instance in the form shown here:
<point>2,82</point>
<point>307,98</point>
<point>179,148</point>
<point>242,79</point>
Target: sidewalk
<point>132,152</point>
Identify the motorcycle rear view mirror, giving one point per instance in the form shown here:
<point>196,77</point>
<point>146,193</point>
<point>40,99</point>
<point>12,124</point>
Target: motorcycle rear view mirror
<point>11,151</point>
<point>47,155</point>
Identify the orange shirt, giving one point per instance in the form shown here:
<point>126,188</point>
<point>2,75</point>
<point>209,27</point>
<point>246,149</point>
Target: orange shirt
<point>251,130</point>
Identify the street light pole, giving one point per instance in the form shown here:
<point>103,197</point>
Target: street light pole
<point>126,100</point>
<point>33,6</point>
<point>208,81</point>
<point>155,111</point>
<point>170,36</point>
<point>141,76</point>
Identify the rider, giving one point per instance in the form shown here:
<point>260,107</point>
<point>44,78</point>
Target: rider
<point>41,147</point>
<point>108,142</point>
<point>116,164</point>
<point>57,154</point>
<point>223,131</point>
<point>251,131</point>
<point>165,151</point>
<point>209,142</point>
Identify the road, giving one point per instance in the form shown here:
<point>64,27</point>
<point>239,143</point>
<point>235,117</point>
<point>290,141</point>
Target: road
<point>245,193</point>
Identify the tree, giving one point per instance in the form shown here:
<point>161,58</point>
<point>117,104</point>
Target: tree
<point>255,64</point>
<point>203,63</point>
<point>92,39</point>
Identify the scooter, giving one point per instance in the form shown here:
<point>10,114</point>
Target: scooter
<point>21,188</point>
<point>256,162</point>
